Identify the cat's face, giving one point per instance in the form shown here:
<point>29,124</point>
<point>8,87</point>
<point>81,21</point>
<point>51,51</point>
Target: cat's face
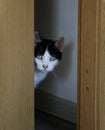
<point>46,62</point>
<point>48,53</point>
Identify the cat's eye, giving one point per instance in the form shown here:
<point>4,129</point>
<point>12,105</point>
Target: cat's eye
<point>52,58</point>
<point>39,57</point>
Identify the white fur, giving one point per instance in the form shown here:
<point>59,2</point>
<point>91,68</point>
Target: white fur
<point>40,72</point>
<point>38,77</point>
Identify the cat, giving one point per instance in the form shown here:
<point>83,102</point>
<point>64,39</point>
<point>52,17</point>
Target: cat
<point>47,55</point>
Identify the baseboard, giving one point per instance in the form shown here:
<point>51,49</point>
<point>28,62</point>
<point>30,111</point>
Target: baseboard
<point>56,106</point>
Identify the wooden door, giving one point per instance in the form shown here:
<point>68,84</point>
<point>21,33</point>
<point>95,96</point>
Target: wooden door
<point>91,65</point>
<point>16,65</point>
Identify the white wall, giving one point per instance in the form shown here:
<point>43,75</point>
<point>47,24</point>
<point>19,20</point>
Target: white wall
<point>55,18</point>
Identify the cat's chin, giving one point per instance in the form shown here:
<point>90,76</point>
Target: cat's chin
<point>43,71</point>
<point>46,71</point>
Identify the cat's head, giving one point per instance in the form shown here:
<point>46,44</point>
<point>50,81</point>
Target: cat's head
<point>48,53</point>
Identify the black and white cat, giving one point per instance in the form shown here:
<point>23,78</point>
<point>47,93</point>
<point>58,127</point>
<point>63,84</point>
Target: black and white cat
<point>47,56</point>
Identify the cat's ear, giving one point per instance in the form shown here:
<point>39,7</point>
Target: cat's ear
<point>60,44</point>
<point>37,37</point>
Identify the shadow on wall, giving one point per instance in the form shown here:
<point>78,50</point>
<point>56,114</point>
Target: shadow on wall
<point>65,65</point>
<point>44,17</point>
<point>61,72</point>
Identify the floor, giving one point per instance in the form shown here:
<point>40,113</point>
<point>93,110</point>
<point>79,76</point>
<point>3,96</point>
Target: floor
<point>44,121</point>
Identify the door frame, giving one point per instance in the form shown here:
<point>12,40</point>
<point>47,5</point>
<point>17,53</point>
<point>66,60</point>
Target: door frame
<point>91,65</point>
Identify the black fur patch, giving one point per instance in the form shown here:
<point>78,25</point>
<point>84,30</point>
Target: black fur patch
<point>41,47</point>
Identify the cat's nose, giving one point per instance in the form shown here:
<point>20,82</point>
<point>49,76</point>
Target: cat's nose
<point>45,66</point>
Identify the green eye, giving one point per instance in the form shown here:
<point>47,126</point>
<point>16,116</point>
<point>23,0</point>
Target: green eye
<point>39,57</point>
<point>52,58</point>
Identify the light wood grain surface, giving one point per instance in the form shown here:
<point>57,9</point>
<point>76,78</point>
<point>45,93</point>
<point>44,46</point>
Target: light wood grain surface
<point>88,99</point>
<point>91,68</point>
<point>16,65</point>
<point>102,68</point>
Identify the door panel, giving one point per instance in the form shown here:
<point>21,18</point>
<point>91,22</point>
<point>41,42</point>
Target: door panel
<point>16,65</point>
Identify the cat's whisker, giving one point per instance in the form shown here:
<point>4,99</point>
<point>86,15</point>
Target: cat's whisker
<point>54,73</point>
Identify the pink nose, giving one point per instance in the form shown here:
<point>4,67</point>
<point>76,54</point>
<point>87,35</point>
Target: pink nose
<point>45,66</point>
